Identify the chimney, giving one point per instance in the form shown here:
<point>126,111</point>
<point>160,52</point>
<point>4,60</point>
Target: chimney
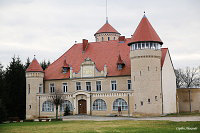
<point>121,39</point>
<point>85,44</point>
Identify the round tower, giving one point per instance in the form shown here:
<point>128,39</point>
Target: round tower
<point>34,86</point>
<point>145,55</point>
<point>106,33</point>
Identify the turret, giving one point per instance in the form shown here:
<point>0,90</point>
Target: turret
<point>106,33</point>
<point>34,85</point>
<point>145,55</point>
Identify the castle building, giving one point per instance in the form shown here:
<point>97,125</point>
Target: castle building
<point>97,78</point>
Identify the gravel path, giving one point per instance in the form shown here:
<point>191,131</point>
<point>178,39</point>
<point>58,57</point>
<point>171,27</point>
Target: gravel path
<point>100,118</point>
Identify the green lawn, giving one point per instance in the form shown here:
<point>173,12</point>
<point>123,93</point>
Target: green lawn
<point>98,126</point>
<point>184,114</point>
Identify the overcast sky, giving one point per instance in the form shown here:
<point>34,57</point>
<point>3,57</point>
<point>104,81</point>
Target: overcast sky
<point>48,28</point>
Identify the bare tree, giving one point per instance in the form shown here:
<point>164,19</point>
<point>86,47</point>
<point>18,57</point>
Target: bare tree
<point>57,99</point>
<point>191,77</point>
<point>179,79</point>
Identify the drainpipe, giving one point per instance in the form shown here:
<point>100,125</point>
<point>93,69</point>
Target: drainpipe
<point>128,107</point>
<point>90,104</point>
<point>39,106</point>
<point>161,90</point>
<point>190,102</point>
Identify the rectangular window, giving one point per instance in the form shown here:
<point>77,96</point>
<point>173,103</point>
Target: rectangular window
<point>29,88</point>
<point>129,85</point>
<point>149,101</point>
<point>88,86</point>
<point>139,46</point>
<point>143,45</point>
<point>52,88</point>
<point>141,103</point>
<point>114,85</point>
<point>41,88</point>
<point>98,85</point>
<point>64,85</point>
<point>156,98</point>
<point>78,85</point>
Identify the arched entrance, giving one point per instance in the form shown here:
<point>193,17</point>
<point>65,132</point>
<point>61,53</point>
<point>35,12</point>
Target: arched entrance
<point>82,108</point>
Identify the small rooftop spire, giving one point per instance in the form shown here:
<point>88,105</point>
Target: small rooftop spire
<point>144,15</point>
<point>34,57</point>
<point>106,13</point>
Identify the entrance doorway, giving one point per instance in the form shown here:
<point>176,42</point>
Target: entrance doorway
<point>82,109</point>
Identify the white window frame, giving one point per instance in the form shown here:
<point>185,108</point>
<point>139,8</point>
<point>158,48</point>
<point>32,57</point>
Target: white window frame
<point>47,106</point>
<point>63,106</point>
<point>50,90</point>
<point>65,87</point>
<point>120,103</point>
<point>78,87</point>
<point>97,88</point>
<point>99,104</point>
<point>113,85</point>
<point>88,86</point>
<point>40,88</point>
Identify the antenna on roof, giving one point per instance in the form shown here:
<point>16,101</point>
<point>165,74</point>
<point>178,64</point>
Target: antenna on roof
<point>106,13</point>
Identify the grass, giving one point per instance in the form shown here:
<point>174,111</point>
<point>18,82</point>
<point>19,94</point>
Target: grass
<point>98,126</point>
<point>185,114</point>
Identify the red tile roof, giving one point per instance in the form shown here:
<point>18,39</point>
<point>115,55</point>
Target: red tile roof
<point>120,61</point>
<point>145,32</point>
<point>99,52</point>
<point>164,52</point>
<point>34,67</point>
<point>65,64</point>
<point>106,28</point>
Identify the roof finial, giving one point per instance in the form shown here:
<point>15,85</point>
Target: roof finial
<point>144,15</point>
<point>34,57</point>
<point>106,12</point>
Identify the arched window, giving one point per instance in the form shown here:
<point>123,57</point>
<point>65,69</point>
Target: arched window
<point>108,38</point>
<point>99,104</point>
<point>120,103</point>
<point>66,103</point>
<point>102,38</point>
<point>47,106</point>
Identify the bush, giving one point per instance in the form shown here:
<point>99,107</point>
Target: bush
<point>67,111</point>
<point>3,114</point>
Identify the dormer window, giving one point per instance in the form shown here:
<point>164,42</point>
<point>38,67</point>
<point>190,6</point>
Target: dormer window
<point>119,66</point>
<point>65,67</point>
<point>120,63</point>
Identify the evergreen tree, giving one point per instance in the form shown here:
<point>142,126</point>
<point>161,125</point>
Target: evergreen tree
<point>3,114</point>
<point>67,110</point>
<point>27,63</point>
<point>44,64</point>
<point>15,89</point>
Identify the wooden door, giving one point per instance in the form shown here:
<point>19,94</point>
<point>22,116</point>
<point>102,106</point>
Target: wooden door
<point>82,109</point>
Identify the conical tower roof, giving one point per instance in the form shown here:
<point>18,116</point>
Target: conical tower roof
<point>107,28</point>
<point>145,32</point>
<point>34,66</point>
